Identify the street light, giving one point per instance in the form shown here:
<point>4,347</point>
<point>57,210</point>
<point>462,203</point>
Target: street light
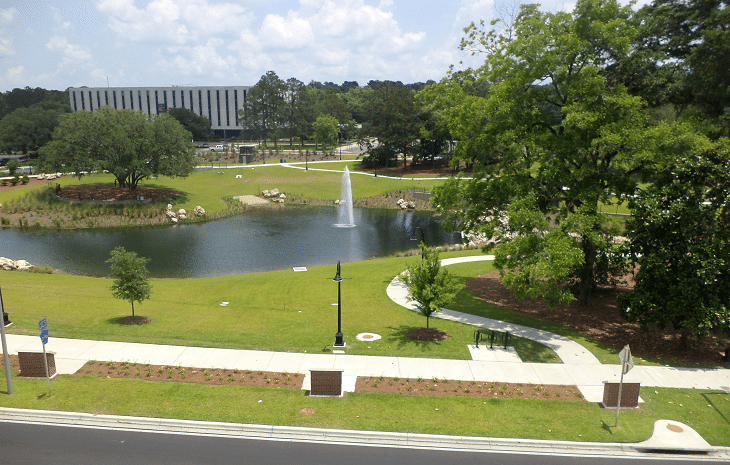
<point>338,337</point>
<point>423,240</point>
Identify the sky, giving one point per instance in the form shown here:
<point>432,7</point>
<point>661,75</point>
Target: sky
<point>56,44</point>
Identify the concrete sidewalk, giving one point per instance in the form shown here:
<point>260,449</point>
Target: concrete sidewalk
<point>71,354</point>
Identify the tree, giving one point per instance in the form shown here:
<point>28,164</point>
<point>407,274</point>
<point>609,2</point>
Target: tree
<point>680,236</point>
<point>28,128</point>
<point>198,126</point>
<point>551,130</point>
<point>126,143</point>
<point>131,278</point>
<point>263,110</point>
<point>325,130</point>
<point>428,285</point>
<point>297,110</point>
<point>392,118</point>
<point>688,45</point>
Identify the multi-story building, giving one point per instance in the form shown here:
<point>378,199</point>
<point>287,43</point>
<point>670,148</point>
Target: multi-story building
<point>219,104</point>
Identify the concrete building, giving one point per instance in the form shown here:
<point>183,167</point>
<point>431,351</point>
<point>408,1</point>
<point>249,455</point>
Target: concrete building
<point>219,104</point>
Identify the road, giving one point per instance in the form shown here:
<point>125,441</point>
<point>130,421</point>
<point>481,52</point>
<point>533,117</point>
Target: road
<point>41,444</point>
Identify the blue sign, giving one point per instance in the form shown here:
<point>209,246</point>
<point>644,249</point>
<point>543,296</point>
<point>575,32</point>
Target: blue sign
<point>44,336</point>
<point>43,324</point>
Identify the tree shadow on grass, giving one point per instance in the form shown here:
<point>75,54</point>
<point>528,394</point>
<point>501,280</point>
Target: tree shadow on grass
<point>130,320</point>
<point>399,337</point>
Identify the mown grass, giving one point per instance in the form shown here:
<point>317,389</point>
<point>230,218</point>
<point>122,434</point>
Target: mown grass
<point>207,188</point>
<point>707,412</point>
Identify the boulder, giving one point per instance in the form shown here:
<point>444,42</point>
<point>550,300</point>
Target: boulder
<point>337,202</point>
<point>199,211</point>
<point>411,205</point>
<point>182,216</point>
<point>169,207</point>
<point>282,196</point>
<point>266,194</point>
<point>6,264</point>
<point>173,219</point>
<point>22,265</point>
<point>182,212</point>
<point>275,192</point>
<point>170,214</point>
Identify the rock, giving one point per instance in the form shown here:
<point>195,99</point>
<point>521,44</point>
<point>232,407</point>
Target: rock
<point>275,192</point>
<point>199,211</point>
<point>182,216</point>
<point>169,207</point>
<point>282,196</point>
<point>170,214</point>
<point>411,205</point>
<point>337,202</point>
<point>173,219</point>
<point>22,265</point>
<point>182,212</point>
<point>266,194</point>
<point>6,264</point>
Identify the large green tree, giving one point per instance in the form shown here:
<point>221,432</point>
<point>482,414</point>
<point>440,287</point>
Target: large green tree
<point>131,277</point>
<point>126,143</point>
<point>198,126</point>
<point>325,130</point>
<point>392,117</point>
<point>552,132</point>
<point>263,111</point>
<point>680,236</point>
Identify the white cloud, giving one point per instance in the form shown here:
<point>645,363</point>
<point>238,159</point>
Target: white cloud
<point>290,32</point>
<point>13,77</point>
<point>179,22</point>
<point>6,39</point>
<point>71,54</point>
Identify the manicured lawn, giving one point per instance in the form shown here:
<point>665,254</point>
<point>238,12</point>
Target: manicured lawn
<point>281,310</point>
<point>707,412</point>
<point>207,188</point>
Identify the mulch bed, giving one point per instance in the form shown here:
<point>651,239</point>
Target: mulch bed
<point>602,321</point>
<point>101,192</point>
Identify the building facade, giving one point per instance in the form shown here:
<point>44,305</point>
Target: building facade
<point>219,104</point>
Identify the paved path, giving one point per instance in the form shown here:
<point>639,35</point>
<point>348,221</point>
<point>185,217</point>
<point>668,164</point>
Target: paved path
<point>580,368</point>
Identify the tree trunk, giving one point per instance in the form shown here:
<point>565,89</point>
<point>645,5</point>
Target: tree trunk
<point>587,276</point>
<point>132,307</point>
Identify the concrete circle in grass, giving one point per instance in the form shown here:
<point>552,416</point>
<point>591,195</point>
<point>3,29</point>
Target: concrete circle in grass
<point>367,337</point>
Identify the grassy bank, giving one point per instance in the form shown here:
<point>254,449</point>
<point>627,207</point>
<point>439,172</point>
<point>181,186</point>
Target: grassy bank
<point>705,411</point>
<point>280,310</point>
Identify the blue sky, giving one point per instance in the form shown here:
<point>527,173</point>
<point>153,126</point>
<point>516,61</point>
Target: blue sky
<point>56,44</point>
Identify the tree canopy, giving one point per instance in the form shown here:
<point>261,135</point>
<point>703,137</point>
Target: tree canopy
<point>552,131</point>
<point>126,143</point>
<point>428,285</point>
<point>680,236</point>
<point>131,277</point>
<point>264,109</point>
<point>198,126</point>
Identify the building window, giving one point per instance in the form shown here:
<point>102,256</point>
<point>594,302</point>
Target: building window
<point>218,106</point>
<point>76,108</point>
<point>228,115</point>
<point>182,99</point>
<point>114,96</point>
<point>131,100</point>
<point>210,114</point>
<point>235,104</point>
<point>124,107</point>
<point>200,103</point>
<point>149,110</point>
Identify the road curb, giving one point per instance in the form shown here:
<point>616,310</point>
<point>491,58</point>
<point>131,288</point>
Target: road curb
<point>337,436</point>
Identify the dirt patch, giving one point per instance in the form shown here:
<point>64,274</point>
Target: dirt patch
<point>266,379</point>
<point>101,192</point>
<point>134,320</point>
<point>601,320</point>
<point>427,335</point>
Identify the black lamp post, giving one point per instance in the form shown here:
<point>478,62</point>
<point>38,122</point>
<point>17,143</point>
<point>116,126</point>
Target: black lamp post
<point>423,239</point>
<point>338,337</point>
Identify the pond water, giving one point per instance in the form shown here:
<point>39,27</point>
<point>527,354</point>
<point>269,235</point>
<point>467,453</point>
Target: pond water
<point>261,239</point>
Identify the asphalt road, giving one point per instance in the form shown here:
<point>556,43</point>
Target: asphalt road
<point>40,444</point>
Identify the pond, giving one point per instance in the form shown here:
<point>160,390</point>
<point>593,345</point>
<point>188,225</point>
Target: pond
<point>261,239</point>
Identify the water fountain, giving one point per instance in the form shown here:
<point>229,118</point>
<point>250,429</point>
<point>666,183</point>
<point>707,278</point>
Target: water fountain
<point>344,212</point>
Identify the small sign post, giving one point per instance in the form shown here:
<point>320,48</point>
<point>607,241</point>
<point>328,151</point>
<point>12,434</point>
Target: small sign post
<point>43,326</point>
<point>627,363</point>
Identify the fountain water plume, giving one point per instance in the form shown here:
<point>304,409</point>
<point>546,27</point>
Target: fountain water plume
<point>345,217</point>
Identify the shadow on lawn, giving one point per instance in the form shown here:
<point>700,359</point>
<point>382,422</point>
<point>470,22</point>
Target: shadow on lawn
<point>399,337</point>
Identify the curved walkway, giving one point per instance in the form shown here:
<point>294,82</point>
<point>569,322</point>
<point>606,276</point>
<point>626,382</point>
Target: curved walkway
<point>570,352</point>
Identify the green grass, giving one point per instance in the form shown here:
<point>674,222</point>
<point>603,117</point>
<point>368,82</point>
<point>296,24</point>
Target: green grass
<point>281,310</point>
<point>705,411</point>
<point>207,188</point>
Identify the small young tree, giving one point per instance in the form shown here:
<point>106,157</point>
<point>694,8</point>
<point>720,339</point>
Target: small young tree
<point>131,278</point>
<point>428,285</point>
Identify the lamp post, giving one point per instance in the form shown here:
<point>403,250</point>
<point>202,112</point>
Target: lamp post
<point>423,239</point>
<point>338,337</point>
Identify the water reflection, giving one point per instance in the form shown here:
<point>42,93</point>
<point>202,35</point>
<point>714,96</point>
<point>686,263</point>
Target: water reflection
<point>261,239</point>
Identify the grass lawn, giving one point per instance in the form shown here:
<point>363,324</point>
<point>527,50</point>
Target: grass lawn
<point>705,411</point>
<point>207,188</point>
